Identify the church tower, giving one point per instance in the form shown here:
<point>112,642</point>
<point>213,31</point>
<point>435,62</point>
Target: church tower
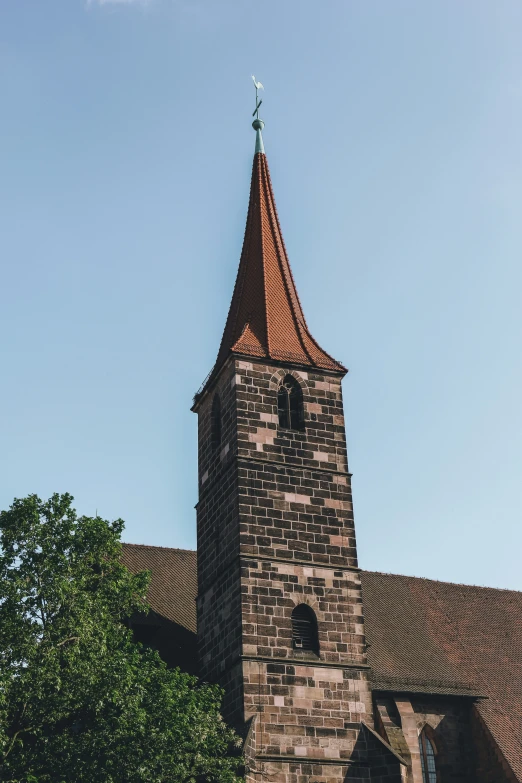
<point>280,623</point>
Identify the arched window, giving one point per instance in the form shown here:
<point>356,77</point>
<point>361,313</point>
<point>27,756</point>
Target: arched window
<point>428,758</point>
<point>290,404</point>
<point>215,422</point>
<point>304,629</point>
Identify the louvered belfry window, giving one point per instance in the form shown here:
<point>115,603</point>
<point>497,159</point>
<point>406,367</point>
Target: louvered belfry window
<point>290,404</point>
<point>304,629</point>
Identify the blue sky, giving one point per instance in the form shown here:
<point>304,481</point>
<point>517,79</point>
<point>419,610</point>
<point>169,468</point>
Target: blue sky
<point>393,137</point>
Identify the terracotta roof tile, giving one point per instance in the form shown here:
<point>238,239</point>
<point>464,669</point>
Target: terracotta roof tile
<point>173,587</point>
<point>265,319</point>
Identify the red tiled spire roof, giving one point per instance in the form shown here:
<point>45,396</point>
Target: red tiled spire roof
<point>265,319</point>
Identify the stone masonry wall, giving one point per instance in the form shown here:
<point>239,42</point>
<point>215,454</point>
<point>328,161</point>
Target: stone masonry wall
<point>402,717</point>
<point>449,719</point>
<point>275,529</point>
<point>219,580</point>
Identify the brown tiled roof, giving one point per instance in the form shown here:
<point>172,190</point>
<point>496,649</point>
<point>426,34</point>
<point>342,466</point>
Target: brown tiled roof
<point>424,636</point>
<point>436,637</point>
<point>265,319</point>
<point>174,585</point>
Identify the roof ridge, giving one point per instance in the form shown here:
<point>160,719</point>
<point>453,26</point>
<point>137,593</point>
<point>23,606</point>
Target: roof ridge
<point>281,253</point>
<point>443,582</point>
<point>262,195</point>
<point>157,546</point>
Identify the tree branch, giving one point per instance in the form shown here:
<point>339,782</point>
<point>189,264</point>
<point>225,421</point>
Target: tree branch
<point>70,639</point>
<point>15,735</point>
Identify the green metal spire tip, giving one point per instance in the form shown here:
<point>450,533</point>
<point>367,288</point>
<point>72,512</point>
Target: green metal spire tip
<point>258,126</point>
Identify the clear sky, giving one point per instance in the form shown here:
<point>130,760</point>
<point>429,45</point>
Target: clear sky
<point>393,135</point>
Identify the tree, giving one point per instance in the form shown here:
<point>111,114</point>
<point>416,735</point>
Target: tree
<point>80,702</point>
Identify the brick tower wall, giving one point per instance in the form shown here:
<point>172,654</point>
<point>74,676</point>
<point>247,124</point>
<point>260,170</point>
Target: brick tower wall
<point>275,529</point>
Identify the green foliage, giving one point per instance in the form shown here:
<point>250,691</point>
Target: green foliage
<point>80,702</point>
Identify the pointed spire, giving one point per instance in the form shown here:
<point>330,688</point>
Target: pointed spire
<point>265,320</point>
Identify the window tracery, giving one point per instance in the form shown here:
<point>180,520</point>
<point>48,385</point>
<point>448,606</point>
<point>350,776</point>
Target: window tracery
<point>290,407</point>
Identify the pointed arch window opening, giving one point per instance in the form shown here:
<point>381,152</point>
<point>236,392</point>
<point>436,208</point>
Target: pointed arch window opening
<point>305,634</point>
<point>428,758</point>
<point>290,408</point>
<point>215,423</point>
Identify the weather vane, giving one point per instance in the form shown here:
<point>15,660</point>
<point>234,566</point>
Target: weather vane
<point>258,87</point>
